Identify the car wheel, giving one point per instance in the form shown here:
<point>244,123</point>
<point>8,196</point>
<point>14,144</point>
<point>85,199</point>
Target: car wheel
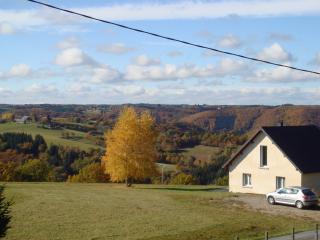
<point>299,204</point>
<point>271,200</point>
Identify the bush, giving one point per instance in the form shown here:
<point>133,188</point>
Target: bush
<point>9,172</point>
<point>34,170</point>
<point>92,173</point>
<point>222,181</point>
<point>183,179</point>
<point>4,213</point>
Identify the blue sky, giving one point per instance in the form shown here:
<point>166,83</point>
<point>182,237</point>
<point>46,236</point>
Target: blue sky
<point>51,57</point>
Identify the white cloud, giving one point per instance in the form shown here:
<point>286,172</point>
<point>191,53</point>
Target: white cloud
<point>171,72</point>
<point>26,19</point>
<point>73,57</point>
<point>130,90</point>
<point>165,94</point>
<point>20,70</point>
<point>203,9</point>
<point>275,53</point>
<point>116,48</point>
<point>70,42</point>
<point>23,71</point>
<point>144,60</point>
<point>104,74</point>
<point>229,41</point>
<point>281,75</point>
<point>6,28</point>
<point>78,89</point>
<point>41,89</point>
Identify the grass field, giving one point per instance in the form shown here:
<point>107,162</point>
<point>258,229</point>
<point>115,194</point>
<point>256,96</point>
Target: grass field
<point>149,212</point>
<point>200,152</point>
<point>51,136</point>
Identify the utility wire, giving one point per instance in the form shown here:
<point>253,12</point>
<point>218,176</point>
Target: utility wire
<point>174,39</point>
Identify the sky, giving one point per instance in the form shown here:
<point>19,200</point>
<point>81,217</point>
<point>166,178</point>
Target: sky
<point>52,57</point>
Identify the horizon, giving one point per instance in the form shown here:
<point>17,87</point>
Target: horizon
<point>55,58</point>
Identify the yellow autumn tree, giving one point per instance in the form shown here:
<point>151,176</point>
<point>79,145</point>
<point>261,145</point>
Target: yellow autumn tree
<point>131,151</point>
<point>7,116</point>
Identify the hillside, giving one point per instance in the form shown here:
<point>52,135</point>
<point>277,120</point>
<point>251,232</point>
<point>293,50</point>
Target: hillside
<point>146,212</point>
<point>51,136</point>
<point>239,119</point>
<point>244,119</point>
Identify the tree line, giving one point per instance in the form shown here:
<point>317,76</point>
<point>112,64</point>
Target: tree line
<point>133,147</point>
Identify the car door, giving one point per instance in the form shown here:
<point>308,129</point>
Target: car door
<point>291,196</point>
<point>281,195</point>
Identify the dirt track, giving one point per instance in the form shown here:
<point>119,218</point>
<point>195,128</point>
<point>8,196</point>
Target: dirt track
<point>259,203</point>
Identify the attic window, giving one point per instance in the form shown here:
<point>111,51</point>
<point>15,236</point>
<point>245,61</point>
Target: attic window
<point>263,156</point>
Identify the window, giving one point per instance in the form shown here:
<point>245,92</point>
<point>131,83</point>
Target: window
<point>280,182</point>
<point>263,156</point>
<point>246,179</point>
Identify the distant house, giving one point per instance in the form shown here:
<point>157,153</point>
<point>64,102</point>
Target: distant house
<point>276,157</point>
<point>23,120</point>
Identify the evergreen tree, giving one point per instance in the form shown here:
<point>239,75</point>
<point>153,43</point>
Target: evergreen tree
<point>4,213</point>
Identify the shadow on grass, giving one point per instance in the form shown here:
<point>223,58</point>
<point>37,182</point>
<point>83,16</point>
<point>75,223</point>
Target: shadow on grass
<point>210,189</point>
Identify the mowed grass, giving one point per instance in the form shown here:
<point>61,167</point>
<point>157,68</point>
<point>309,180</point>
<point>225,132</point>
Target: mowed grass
<point>51,136</point>
<point>150,212</point>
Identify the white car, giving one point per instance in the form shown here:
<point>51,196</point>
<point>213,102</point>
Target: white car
<point>296,196</point>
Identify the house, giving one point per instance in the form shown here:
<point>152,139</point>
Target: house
<point>276,157</point>
<point>23,120</point>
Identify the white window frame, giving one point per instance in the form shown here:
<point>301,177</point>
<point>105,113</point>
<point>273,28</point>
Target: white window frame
<point>282,183</point>
<point>262,147</point>
<point>246,180</point>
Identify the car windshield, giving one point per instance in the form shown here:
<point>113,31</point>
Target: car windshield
<point>308,192</point>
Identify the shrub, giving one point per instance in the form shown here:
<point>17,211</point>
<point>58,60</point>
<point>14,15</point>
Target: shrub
<point>4,213</point>
<point>222,181</point>
<point>34,170</point>
<point>91,173</point>
<point>9,172</point>
<point>183,179</point>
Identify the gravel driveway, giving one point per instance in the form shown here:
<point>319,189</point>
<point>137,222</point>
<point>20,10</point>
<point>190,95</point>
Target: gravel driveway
<point>259,203</point>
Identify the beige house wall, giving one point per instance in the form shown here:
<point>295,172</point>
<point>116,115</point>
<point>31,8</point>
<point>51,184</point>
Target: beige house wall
<point>263,179</point>
<point>312,180</point>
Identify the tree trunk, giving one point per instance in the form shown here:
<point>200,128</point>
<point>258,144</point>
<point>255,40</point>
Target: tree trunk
<point>128,182</point>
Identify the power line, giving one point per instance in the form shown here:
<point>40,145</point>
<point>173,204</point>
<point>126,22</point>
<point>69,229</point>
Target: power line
<point>175,39</point>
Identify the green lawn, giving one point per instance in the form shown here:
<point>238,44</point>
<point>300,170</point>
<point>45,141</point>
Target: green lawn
<point>150,212</point>
<point>51,136</point>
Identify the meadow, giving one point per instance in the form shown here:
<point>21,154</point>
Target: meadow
<point>51,136</point>
<point>200,152</point>
<point>146,212</point>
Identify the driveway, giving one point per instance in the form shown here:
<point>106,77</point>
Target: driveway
<point>259,203</point>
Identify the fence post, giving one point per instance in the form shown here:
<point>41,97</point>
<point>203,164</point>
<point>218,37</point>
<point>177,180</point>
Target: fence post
<point>266,236</point>
<point>317,232</point>
<point>237,237</point>
<point>293,233</point>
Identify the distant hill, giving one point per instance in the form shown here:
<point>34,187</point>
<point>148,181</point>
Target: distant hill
<point>201,117</point>
<point>244,119</point>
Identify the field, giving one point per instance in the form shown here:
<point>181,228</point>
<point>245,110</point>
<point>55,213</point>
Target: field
<point>200,152</point>
<point>51,136</point>
<point>148,212</point>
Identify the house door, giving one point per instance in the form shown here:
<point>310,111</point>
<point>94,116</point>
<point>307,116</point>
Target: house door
<point>280,182</point>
